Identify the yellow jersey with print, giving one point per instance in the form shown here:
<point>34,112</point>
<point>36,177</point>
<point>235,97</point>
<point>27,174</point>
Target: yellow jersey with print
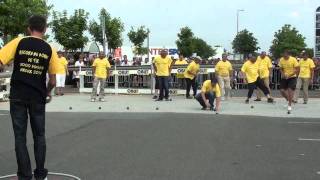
<point>194,68</point>
<point>251,70</point>
<point>264,65</point>
<point>207,88</point>
<point>62,66</point>
<point>223,68</point>
<point>305,68</point>
<point>162,65</point>
<point>181,62</point>
<point>32,59</point>
<point>102,66</point>
<point>289,66</point>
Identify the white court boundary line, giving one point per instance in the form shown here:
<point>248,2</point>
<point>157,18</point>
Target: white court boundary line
<point>49,173</point>
<point>305,139</point>
<point>303,122</point>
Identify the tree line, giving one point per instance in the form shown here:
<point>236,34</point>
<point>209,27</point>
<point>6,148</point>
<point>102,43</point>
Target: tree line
<point>69,31</point>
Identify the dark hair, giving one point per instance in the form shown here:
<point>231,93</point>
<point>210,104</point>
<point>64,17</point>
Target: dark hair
<point>214,79</point>
<point>37,23</point>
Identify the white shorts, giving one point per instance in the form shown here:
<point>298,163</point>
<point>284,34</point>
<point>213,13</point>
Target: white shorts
<point>60,80</point>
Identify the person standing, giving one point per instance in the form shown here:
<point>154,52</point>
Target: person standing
<point>61,75</point>
<point>76,74</point>
<point>190,75</point>
<point>210,92</point>
<point>101,71</point>
<point>265,68</point>
<point>32,58</point>
<point>180,76</point>
<point>289,68</point>
<point>250,70</point>
<point>305,77</point>
<point>162,67</point>
<point>224,72</point>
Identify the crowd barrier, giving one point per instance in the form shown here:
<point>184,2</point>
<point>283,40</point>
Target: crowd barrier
<point>140,80</point>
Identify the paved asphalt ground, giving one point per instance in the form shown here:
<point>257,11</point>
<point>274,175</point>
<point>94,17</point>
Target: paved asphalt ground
<point>174,146</point>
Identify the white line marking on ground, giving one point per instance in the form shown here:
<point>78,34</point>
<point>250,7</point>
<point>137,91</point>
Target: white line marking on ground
<point>303,122</point>
<point>4,114</point>
<point>304,139</point>
<point>50,173</point>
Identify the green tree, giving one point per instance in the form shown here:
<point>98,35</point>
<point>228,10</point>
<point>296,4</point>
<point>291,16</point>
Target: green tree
<point>287,38</point>
<point>114,29</point>
<point>245,43</point>
<point>310,52</point>
<point>69,31</point>
<point>15,13</point>
<point>184,42</point>
<point>188,44</point>
<point>137,37</point>
<point>202,49</point>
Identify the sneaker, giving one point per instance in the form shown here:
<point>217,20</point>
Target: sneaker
<point>257,100</point>
<point>93,100</point>
<point>159,99</point>
<point>222,98</point>
<point>289,108</point>
<point>305,102</point>
<point>247,101</point>
<point>294,101</point>
<point>154,97</point>
<point>101,100</point>
<point>189,97</point>
<point>270,100</point>
<point>212,109</point>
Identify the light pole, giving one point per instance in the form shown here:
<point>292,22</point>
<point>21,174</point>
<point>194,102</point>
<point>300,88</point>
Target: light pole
<point>238,12</point>
<point>103,26</point>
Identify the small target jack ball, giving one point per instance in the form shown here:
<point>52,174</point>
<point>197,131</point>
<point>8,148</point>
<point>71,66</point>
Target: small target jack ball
<point>128,108</point>
<point>99,107</point>
<point>70,108</point>
<point>157,108</point>
<point>252,107</point>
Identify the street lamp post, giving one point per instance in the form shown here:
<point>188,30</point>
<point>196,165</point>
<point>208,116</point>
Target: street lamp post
<point>238,12</point>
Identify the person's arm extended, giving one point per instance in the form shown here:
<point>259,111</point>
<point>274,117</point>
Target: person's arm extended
<point>108,73</point>
<point>51,85</point>
<point>312,75</point>
<point>203,95</point>
<point>218,103</point>
<point>155,68</point>
<point>296,72</point>
<point>93,70</point>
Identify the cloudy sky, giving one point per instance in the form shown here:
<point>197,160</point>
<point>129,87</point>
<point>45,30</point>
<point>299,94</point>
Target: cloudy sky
<point>212,20</point>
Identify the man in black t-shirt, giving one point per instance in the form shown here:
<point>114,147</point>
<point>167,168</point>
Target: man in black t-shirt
<point>32,58</point>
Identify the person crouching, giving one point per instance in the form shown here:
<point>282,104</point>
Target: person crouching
<point>210,92</point>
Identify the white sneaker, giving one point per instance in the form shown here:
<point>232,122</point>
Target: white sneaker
<point>93,100</point>
<point>101,100</point>
<point>222,98</point>
<point>289,108</point>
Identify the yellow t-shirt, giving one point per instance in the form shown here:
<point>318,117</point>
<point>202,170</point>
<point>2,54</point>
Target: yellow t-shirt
<point>194,68</point>
<point>181,62</point>
<point>223,68</point>
<point>207,87</point>
<point>8,52</point>
<point>264,65</point>
<point>163,65</point>
<point>251,70</point>
<point>101,67</point>
<point>289,66</point>
<point>62,65</point>
<point>305,68</point>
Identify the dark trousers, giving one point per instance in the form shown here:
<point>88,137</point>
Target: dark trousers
<point>191,83</point>
<point>164,87</point>
<point>19,113</point>
<point>260,84</point>
<point>209,96</point>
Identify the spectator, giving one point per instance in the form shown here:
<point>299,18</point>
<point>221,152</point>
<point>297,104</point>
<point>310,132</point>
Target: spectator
<point>111,62</point>
<point>125,61</point>
<point>62,72</point>
<point>80,63</point>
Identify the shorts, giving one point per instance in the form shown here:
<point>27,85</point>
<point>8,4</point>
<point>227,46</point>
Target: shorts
<point>60,80</point>
<point>288,83</point>
<point>157,82</point>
